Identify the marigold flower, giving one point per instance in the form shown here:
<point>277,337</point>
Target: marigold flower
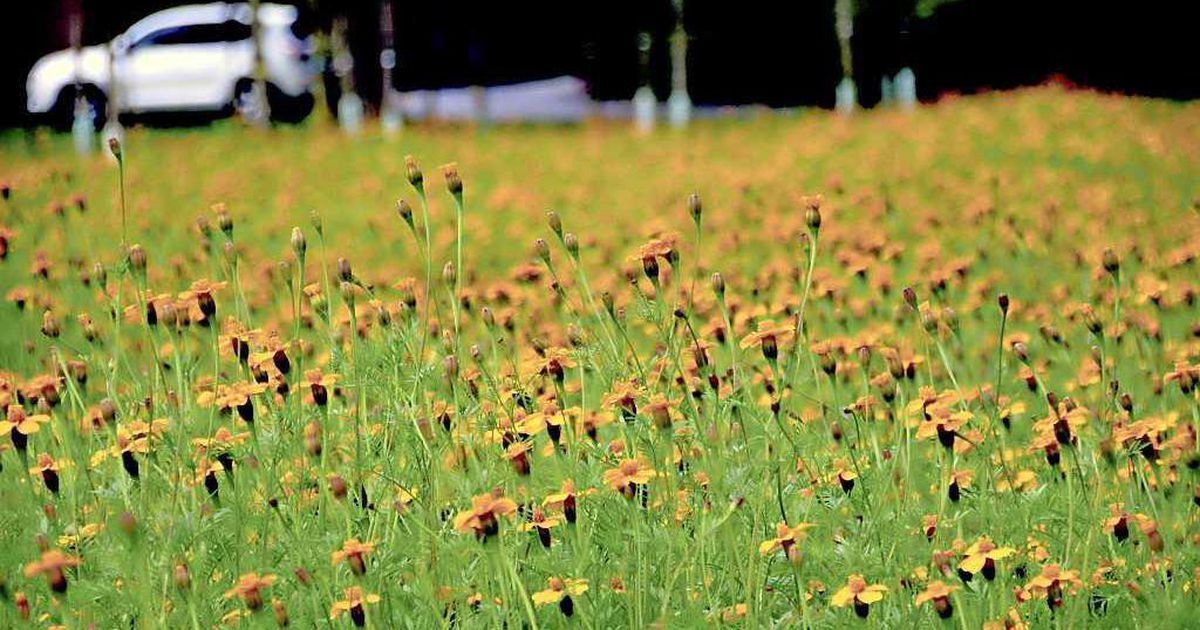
<point>20,425</point>
<point>860,594</point>
<point>786,537</point>
<point>354,602</point>
<point>249,589</point>
<point>541,524</point>
<point>565,499</point>
<point>939,593</point>
<point>47,469</point>
<point>482,518</point>
<point>1049,584</point>
<point>52,565</point>
<point>628,476</point>
<point>354,554</point>
<point>768,335</point>
<point>982,556</point>
<point>560,592</point>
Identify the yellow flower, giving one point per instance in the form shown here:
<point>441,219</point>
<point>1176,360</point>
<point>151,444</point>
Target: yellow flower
<point>354,553</point>
<point>482,517</point>
<point>354,603</point>
<point>249,588</point>
<point>560,592</point>
<point>982,556</point>
<point>938,592</point>
<point>786,538</point>
<point>628,475</point>
<point>859,593</point>
<point>52,564</point>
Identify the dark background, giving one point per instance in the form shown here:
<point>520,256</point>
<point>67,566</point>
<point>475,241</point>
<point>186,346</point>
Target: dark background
<point>779,53</point>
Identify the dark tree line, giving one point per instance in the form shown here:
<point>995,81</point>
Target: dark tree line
<point>750,51</point>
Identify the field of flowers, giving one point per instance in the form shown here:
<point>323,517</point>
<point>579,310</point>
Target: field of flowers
<point>935,369</point>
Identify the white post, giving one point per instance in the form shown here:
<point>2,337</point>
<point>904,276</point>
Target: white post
<point>112,125</point>
<point>260,108</point>
<point>350,106</point>
<point>906,88</point>
<point>83,121</point>
<point>679,104</point>
<point>644,102</point>
<point>391,118</point>
<point>846,95</point>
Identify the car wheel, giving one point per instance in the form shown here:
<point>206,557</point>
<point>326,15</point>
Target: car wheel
<point>250,102</point>
<point>289,109</point>
<point>94,102</point>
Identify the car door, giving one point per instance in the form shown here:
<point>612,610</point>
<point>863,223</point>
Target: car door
<point>183,67</point>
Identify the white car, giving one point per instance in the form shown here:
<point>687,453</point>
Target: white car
<point>185,59</point>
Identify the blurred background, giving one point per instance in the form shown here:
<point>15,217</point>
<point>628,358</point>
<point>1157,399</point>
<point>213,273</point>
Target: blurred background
<point>773,53</point>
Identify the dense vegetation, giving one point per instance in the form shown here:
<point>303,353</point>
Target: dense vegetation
<point>795,370</point>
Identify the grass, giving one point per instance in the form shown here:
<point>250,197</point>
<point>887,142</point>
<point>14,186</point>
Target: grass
<point>900,370</point>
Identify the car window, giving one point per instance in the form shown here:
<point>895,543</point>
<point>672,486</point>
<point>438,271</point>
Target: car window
<point>228,31</point>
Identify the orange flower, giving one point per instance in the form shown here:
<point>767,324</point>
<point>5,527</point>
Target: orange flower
<point>482,517</point>
<point>565,500</point>
<point>938,592</point>
<point>982,556</point>
<point>319,384</point>
<point>786,538</point>
<point>51,565</point>
<point>20,426</point>
<point>943,423</point>
<point>560,592</point>
<point>768,335</point>
<point>628,476</point>
<point>48,469</point>
<point>860,594</point>
<point>354,553</point>
<point>541,524</point>
<point>1049,584</point>
<point>249,588</point>
<point>623,396</point>
<point>354,603</point>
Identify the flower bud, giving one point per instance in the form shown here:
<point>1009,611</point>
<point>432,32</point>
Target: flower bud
<point>650,267</point>
<point>1021,351</point>
<point>114,145</point>
<point>812,213</point>
<point>318,224</point>
<point>137,259</point>
<point>281,613</point>
<point>1112,264</point>
<point>571,242</point>
<point>1002,300</point>
<point>609,305</point>
<point>542,250</point>
<point>555,223</point>
<point>910,297</point>
<point>224,221</point>
<point>299,243</point>
<point>345,273</point>
<point>100,275</point>
<point>454,183</point>
<point>50,325</point>
<point>406,212</point>
<point>415,178</point>
<point>338,487</point>
<point>695,207</point>
<point>1092,321</point>
<point>718,285</point>
<point>183,577</point>
<point>449,276</point>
